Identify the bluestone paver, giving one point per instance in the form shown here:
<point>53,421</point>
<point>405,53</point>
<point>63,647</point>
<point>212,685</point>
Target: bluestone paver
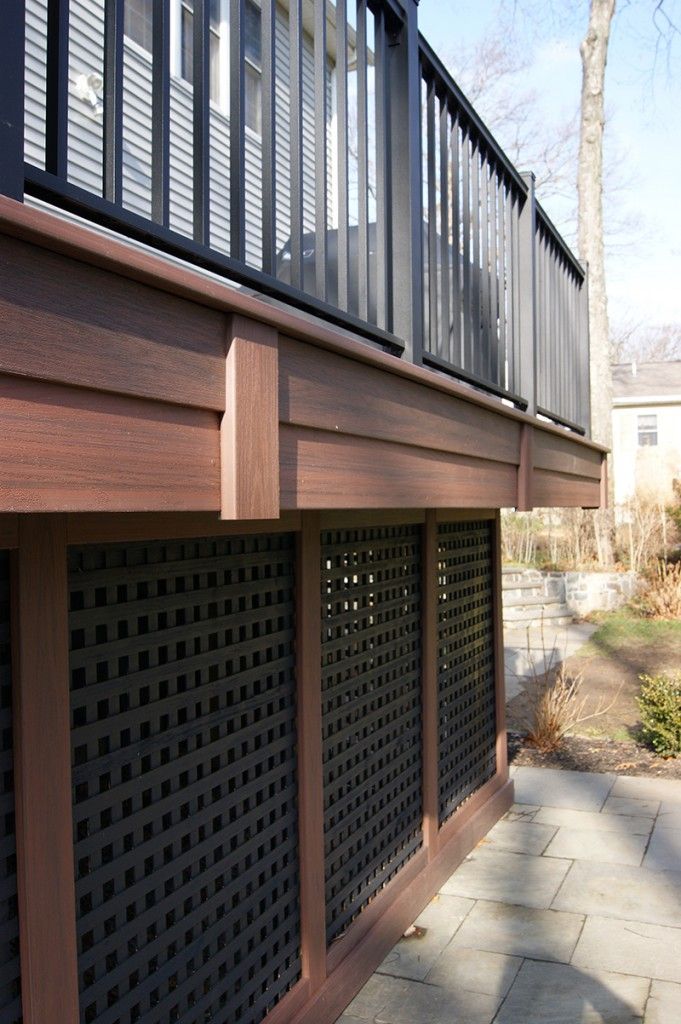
<point>474,970</point>
<point>558,994</point>
<point>602,847</point>
<point>413,1002</point>
<point>644,788</point>
<point>508,877</point>
<point>664,851</point>
<point>630,947</point>
<point>520,837</point>
<point>550,787</point>
<point>669,816</point>
<point>664,1003</point>
<point>521,812</point>
<point>520,931</point>
<point>413,957</point>
<point>536,928</point>
<point>593,821</point>
<point>629,894</point>
<point>631,806</point>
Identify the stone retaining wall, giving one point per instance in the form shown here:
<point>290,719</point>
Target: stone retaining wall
<point>582,592</point>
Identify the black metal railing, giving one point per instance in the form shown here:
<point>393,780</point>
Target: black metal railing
<point>317,152</point>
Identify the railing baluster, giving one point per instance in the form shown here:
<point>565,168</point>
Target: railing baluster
<point>494,319</point>
<point>475,282</point>
<point>502,365</point>
<point>201,120</point>
<point>466,341</point>
<point>455,342</point>
<point>268,115</point>
<point>112,183</point>
<point>362,164</point>
<point>433,345</point>
<point>296,141</point>
<point>12,46</point>
<point>320,112</point>
<point>57,88</point>
<point>485,322</point>
<point>383,149</point>
<point>342,145</point>
<point>445,332</point>
<point>160,113</point>
<point>237,130</point>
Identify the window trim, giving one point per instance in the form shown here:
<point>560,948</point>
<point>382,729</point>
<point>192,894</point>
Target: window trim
<point>649,431</point>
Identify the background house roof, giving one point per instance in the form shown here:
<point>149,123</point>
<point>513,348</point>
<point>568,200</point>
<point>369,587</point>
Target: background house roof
<point>639,379</point>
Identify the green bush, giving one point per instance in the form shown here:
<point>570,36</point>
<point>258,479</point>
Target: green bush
<point>660,705</point>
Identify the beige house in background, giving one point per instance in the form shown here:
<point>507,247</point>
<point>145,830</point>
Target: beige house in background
<point>646,428</point>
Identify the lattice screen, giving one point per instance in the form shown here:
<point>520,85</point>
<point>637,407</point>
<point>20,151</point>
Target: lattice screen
<point>467,727</point>
<point>10,977</point>
<point>371,706</point>
<point>184,773</point>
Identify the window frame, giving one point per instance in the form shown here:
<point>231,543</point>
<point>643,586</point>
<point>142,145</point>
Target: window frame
<point>647,433</point>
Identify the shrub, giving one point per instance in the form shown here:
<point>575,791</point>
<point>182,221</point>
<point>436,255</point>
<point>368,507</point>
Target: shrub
<point>660,705</point>
<point>662,596</point>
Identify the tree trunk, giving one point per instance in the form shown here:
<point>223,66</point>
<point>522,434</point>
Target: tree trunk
<point>594,54</point>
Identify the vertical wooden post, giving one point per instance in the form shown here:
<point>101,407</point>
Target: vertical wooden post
<point>249,431</point>
<point>45,867</point>
<point>429,703</point>
<point>524,501</point>
<point>310,778</point>
<point>499,672</point>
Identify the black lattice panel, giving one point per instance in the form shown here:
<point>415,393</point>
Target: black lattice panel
<point>467,726</point>
<point>10,976</point>
<point>371,705</point>
<point>184,779</point>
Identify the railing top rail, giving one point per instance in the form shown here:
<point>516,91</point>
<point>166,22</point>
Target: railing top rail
<point>431,61</point>
<point>547,224</point>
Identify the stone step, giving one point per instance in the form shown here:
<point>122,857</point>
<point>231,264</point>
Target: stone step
<point>525,600</point>
<point>534,615</point>
<point>509,583</point>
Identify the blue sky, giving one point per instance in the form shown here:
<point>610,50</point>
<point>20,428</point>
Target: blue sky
<point>643,135</point>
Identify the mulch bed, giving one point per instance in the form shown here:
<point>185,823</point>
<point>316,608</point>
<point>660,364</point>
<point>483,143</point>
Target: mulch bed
<point>586,754</point>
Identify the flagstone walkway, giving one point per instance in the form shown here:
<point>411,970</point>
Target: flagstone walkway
<point>569,912</point>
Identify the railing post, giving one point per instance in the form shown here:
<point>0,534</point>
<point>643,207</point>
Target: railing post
<point>584,355</point>
<point>12,100</point>
<point>405,156</point>
<point>526,373</point>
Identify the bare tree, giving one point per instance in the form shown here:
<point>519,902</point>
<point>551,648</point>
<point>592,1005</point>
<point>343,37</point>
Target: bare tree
<point>594,54</point>
<point>637,341</point>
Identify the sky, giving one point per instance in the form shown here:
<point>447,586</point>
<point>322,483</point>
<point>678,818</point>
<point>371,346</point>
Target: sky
<point>643,131</point>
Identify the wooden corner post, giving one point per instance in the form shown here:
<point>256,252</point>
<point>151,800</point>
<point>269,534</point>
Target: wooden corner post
<point>249,432</point>
<point>499,672</point>
<point>44,828</point>
<point>310,771</point>
<point>429,698</point>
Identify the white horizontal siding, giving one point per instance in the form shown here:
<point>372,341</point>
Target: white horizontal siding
<point>85,132</point>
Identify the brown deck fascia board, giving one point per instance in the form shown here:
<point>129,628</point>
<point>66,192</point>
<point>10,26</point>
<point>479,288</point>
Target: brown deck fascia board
<point>53,232</point>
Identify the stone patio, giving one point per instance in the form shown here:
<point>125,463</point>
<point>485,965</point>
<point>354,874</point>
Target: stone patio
<point>568,912</point>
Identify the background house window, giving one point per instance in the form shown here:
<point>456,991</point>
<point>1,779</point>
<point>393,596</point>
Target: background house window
<point>218,53</point>
<point>187,44</point>
<point>137,21</point>
<point>253,67</point>
<point>647,430</point>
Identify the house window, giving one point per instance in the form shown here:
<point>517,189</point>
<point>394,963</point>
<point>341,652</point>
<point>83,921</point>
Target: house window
<point>253,67</point>
<point>218,53</point>
<point>647,430</point>
<point>137,22</point>
<point>187,44</point>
